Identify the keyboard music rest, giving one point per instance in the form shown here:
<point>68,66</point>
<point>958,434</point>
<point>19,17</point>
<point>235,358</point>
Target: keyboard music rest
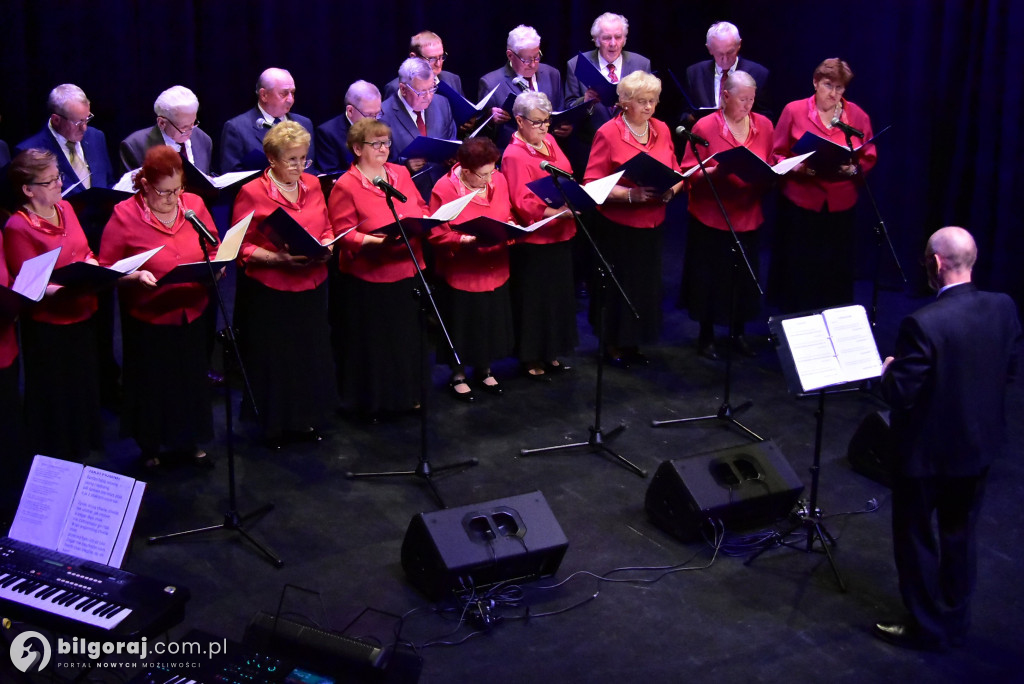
<point>78,597</point>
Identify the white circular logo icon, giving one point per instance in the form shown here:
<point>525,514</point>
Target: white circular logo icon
<point>27,658</point>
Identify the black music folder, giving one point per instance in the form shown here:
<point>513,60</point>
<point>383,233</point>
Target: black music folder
<point>92,276</point>
<point>588,75</point>
<point>432,149</point>
<point>648,172</point>
<point>829,156</point>
<point>287,234</point>
<point>198,271</point>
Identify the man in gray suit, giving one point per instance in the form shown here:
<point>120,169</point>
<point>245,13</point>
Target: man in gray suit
<point>176,126</point>
<point>704,79</point>
<point>429,46</point>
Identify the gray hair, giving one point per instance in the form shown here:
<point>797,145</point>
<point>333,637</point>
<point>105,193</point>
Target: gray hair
<point>174,100</point>
<point>528,101</point>
<point>361,91</point>
<point>723,29</point>
<point>739,79</point>
<point>522,38</point>
<point>62,94</point>
<point>415,67</point>
<point>608,18</point>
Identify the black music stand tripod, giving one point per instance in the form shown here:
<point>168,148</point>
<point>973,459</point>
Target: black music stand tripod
<point>424,470</point>
<point>232,519</point>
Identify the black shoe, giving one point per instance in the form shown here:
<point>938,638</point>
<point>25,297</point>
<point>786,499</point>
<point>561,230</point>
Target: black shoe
<point>201,459</point>
<point>708,351</point>
<point>461,396</point>
<point>906,636</point>
<point>539,376</point>
<point>742,347</point>
<point>560,367</point>
<point>616,361</point>
<point>495,389</point>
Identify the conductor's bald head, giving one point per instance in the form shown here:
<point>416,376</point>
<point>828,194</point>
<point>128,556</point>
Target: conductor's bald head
<point>950,256</point>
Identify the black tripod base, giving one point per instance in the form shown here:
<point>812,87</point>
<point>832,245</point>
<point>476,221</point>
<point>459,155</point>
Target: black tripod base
<point>596,443</point>
<point>725,413</point>
<point>424,471</point>
<point>809,521</point>
<point>234,522</point>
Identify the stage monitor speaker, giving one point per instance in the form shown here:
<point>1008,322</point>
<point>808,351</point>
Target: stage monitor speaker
<point>744,487</point>
<point>512,539</point>
<point>871,450</point>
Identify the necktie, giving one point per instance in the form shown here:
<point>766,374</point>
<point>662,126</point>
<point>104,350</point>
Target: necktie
<point>79,165</point>
<point>612,77</point>
<point>183,152</point>
<point>721,87</point>
<point>420,124</point>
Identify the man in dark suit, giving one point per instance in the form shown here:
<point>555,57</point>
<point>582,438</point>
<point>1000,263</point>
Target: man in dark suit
<point>241,142</point>
<point>81,150</point>
<point>523,72</point>
<point>414,111</point>
<point>362,100</point>
<point>946,385</point>
<point>429,46</point>
<point>176,126</point>
<point>704,79</point>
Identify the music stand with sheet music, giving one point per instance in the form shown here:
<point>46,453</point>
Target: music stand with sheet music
<point>819,351</point>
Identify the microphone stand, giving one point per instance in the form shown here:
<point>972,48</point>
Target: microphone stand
<point>424,471</point>
<point>232,520</point>
<point>725,412</point>
<point>605,273</point>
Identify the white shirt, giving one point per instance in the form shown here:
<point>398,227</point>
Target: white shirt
<point>176,145</point>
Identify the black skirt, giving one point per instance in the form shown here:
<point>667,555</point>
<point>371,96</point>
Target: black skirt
<point>379,361</point>
<point>635,256</point>
<point>479,323</point>
<point>13,456</point>
<point>812,259</point>
<point>166,389</point>
<point>62,391</point>
<point>706,288</point>
<point>286,349</point>
<point>543,300</point>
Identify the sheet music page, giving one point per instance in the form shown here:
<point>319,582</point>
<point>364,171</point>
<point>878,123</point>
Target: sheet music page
<point>124,535</point>
<point>600,189</point>
<point>45,500</point>
<point>232,241</point>
<point>787,165</point>
<point>451,210</point>
<point>224,180</point>
<point>34,275</point>
<point>543,222</point>
<point>133,263</point>
<point>812,351</point>
<point>125,182</point>
<point>96,514</point>
<point>695,169</point>
<point>854,342</point>
<point>480,105</point>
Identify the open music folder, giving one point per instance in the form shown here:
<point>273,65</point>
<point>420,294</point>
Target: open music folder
<point>489,231</point>
<point>30,285</point>
<point>416,225</point>
<point>646,171</point>
<point>462,109</point>
<point>85,275</point>
<point>198,271</point>
<point>288,234</point>
<point>747,166</point>
<point>583,197</point>
<point>829,156</point>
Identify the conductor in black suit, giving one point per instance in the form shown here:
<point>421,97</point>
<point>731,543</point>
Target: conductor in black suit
<point>946,385</point>
<point>704,79</point>
<point>177,126</point>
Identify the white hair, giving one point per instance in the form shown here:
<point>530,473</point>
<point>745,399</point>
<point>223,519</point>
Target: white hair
<point>739,79</point>
<point>360,92</point>
<point>522,38</point>
<point>608,18</point>
<point>415,67</point>
<point>175,99</point>
<point>62,94</point>
<point>723,29</point>
<point>528,101</point>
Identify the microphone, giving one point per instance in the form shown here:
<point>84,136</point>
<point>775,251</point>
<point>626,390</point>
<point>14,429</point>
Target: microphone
<point>847,128</point>
<point>521,82</point>
<point>692,137</point>
<point>388,189</point>
<point>204,232</point>
<point>554,170</point>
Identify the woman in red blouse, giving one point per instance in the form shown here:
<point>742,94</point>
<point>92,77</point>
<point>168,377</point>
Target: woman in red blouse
<point>166,390</point>
<point>379,358</point>
<point>281,305</point>
<point>628,229</point>
<point>708,264</point>
<point>540,263</point>
<point>62,406</point>
<point>473,292</point>
<point>813,257</point>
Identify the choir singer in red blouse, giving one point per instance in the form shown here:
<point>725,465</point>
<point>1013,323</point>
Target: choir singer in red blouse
<point>473,291</point>
<point>379,359</point>
<point>166,357</point>
<point>281,298</point>
<point>629,225</point>
<point>708,264</point>
<point>58,335</point>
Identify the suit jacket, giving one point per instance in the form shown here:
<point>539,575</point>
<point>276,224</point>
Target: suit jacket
<point>947,384</point>
<point>241,141</point>
<point>440,124</point>
<point>5,154</point>
<point>135,146</point>
<point>700,84</point>
<point>332,153</point>
<point>574,90</point>
<point>448,77</point>
<point>94,146</point>
<point>549,82</point>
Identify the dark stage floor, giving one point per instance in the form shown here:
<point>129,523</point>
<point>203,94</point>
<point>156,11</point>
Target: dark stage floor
<point>690,616</point>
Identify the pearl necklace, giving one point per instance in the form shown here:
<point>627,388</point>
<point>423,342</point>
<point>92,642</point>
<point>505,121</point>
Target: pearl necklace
<point>168,223</point>
<point>647,128</point>
<point>479,191</point>
<point>52,215</point>
<point>286,187</point>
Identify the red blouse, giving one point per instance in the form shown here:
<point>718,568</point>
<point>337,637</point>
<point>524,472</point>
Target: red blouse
<point>8,338</point>
<point>133,229</point>
<point>815,193</point>
<point>521,165</point>
<point>469,267</point>
<point>27,236</point>
<point>613,146</point>
<point>355,201</point>
<point>742,200</point>
<point>310,210</point>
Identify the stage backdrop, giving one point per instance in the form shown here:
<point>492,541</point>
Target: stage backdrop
<point>945,75</point>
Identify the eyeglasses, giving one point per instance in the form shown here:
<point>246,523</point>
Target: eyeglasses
<point>78,124</point>
<point>421,93</point>
<point>435,60</point>
<point>167,193</point>
<point>59,179</point>
<point>538,124</point>
<point>186,129</point>
<point>298,162</point>
<point>377,117</point>
<point>531,60</point>
<point>377,144</point>
<point>483,176</point>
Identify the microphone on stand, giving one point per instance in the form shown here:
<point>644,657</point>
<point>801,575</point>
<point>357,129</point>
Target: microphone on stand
<point>389,189</point>
<point>682,132</point>
<point>204,232</point>
<point>521,83</point>
<point>554,170</point>
<point>846,128</point>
